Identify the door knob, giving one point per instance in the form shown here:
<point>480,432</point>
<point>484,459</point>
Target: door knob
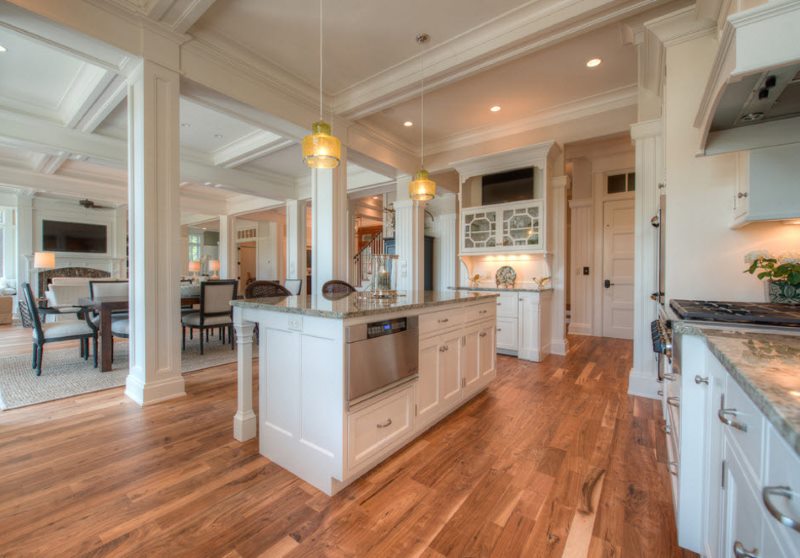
<point>607,283</point>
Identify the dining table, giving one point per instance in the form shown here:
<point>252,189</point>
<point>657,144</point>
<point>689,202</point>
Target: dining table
<point>105,306</point>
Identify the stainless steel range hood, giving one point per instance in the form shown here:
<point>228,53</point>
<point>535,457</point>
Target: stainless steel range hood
<point>752,98</point>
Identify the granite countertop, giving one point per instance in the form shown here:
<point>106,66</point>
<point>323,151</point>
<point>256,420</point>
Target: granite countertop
<point>503,289</point>
<point>356,305</point>
<point>765,365</point>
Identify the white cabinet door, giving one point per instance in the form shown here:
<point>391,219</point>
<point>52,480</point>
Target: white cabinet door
<point>486,351</point>
<point>741,197</point>
<point>742,525</point>
<point>428,392</point>
<point>506,332</point>
<point>470,369</point>
<point>449,370</point>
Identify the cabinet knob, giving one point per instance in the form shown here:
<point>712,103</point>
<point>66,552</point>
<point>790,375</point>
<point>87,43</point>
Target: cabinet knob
<point>698,379</point>
<point>741,195</point>
<point>740,551</point>
<point>483,334</point>
<point>499,329</point>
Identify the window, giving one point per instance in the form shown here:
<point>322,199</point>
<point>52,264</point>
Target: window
<point>195,246</point>
<point>621,183</point>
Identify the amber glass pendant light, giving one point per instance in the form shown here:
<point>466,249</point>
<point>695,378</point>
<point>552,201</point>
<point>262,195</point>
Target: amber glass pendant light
<point>321,149</point>
<point>422,188</point>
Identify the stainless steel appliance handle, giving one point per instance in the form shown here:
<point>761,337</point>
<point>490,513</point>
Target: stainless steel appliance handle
<point>740,551</point>
<point>385,424</point>
<point>674,400</point>
<point>722,415</point>
<point>783,492</point>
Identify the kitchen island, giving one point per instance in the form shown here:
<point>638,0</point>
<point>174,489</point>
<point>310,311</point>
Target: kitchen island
<point>345,381</point>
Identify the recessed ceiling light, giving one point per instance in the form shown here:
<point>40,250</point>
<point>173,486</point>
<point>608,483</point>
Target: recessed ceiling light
<point>495,108</point>
<point>408,123</point>
<point>2,48</point>
<point>218,136</point>
<point>594,62</point>
<point>185,125</point>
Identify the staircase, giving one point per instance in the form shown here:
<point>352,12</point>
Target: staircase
<point>362,262</point>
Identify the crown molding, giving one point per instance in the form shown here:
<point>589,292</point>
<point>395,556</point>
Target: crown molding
<point>254,145</point>
<point>680,26</point>
<point>581,108</point>
<point>531,27</point>
<point>530,155</point>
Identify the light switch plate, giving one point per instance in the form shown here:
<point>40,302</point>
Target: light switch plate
<point>296,323</point>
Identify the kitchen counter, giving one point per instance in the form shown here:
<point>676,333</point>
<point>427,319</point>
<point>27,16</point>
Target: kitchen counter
<point>357,305</point>
<point>503,289</point>
<point>766,366</point>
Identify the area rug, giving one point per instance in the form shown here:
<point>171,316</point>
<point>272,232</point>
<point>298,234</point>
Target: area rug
<point>65,374</point>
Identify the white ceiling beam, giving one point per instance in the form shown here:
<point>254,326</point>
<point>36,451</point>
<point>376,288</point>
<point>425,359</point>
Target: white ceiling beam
<point>32,133</point>
<point>182,14</point>
<point>253,146</point>
<point>532,27</point>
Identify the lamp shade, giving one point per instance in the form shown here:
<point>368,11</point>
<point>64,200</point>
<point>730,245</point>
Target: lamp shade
<point>321,150</point>
<point>213,265</point>
<point>194,266</point>
<point>44,260</point>
<point>422,188</point>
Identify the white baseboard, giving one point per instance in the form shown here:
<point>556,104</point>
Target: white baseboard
<point>580,329</point>
<point>153,392</point>
<point>559,347</point>
<point>643,384</point>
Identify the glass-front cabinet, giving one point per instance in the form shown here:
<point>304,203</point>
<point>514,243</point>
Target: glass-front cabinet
<point>507,227</point>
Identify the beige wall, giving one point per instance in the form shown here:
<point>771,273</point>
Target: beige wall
<point>705,257</point>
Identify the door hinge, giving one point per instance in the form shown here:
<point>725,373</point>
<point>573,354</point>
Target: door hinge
<point>722,482</point>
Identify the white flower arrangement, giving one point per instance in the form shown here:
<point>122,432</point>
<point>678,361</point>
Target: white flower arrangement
<point>756,255</point>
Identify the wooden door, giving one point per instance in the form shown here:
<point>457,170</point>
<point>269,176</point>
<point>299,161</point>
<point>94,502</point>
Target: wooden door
<point>618,268</point>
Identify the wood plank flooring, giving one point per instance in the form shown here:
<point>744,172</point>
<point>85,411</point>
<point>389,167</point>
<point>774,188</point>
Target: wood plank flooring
<point>554,459</point>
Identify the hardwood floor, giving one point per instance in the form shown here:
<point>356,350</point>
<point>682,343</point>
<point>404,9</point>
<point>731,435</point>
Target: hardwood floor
<point>553,459</point>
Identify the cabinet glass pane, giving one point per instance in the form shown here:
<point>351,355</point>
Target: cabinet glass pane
<point>521,226</point>
<point>480,229</point>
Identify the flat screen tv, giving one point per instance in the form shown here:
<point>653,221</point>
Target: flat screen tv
<point>510,186</point>
<point>61,236</point>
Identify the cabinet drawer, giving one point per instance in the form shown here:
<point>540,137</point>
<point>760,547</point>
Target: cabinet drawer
<point>507,305</point>
<point>782,470</point>
<point>479,312</point>
<point>747,428</point>
<point>435,322</point>
<point>374,428</point>
<point>506,333</point>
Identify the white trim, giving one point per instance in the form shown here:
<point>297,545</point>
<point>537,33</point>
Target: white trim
<point>642,385</point>
<point>680,26</point>
<point>531,155</point>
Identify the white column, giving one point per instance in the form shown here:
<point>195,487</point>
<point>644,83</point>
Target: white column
<point>244,421</point>
<point>409,232</point>
<point>328,224</point>
<point>296,240</point>
<point>228,256</point>
<point>558,246</point>
<point>25,243</point>
<point>649,174</point>
<point>154,232</point>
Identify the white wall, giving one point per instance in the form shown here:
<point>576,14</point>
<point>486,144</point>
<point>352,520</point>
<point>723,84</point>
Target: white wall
<point>705,257</point>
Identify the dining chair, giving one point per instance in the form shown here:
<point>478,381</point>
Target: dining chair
<point>215,310</point>
<point>99,289</point>
<point>334,286</point>
<point>294,286</point>
<point>261,289</point>
<point>52,332</point>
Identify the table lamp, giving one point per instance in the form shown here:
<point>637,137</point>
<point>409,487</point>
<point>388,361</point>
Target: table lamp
<point>44,260</point>
<point>213,267</point>
<point>194,269</point>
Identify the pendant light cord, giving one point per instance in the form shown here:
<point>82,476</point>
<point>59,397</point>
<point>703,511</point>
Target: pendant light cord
<point>422,110</point>
<point>320,59</point>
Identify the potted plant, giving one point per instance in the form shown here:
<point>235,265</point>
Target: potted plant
<point>781,272</point>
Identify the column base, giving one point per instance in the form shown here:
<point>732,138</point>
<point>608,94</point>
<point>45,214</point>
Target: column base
<point>643,384</point>
<point>245,426</point>
<point>153,392</point>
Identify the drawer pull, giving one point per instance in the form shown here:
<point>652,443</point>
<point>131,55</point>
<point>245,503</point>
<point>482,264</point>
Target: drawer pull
<point>385,424</point>
<point>443,320</point>
<point>673,468</point>
<point>671,377</point>
<point>783,492</point>
<point>482,311</point>
<point>674,401</point>
<point>698,379</point>
<point>483,334</point>
<point>740,551</point>
<point>444,348</point>
<point>660,392</point>
<point>722,415</point>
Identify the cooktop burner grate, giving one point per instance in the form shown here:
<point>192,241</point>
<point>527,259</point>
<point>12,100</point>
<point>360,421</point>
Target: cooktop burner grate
<point>738,312</point>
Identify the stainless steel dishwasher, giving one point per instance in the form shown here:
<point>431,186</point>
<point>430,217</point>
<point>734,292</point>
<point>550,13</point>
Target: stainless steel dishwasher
<point>380,355</point>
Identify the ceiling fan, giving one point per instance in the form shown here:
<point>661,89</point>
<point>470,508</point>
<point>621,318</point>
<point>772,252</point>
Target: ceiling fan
<point>89,204</point>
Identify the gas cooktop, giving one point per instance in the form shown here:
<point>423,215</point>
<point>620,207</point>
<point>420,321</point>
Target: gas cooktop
<point>785,315</point>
